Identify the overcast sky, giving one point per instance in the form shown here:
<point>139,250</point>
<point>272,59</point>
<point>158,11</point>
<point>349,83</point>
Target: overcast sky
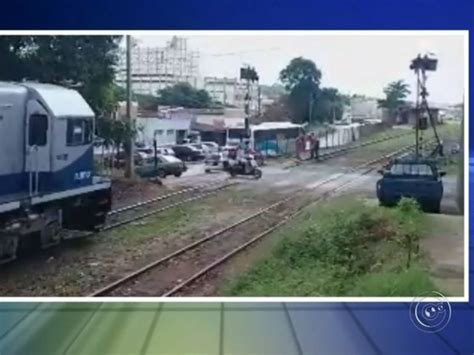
<point>361,64</point>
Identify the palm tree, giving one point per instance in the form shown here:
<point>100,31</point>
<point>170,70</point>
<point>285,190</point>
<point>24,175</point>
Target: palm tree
<point>395,93</point>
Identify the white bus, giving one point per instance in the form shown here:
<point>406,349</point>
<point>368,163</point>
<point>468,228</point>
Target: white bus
<point>270,138</point>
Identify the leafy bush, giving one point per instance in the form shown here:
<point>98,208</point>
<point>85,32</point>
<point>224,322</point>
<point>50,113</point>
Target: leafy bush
<point>344,251</point>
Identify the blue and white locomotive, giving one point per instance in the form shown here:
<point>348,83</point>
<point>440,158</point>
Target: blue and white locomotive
<point>46,166</point>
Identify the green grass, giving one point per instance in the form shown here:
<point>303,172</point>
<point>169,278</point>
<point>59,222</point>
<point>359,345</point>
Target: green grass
<point>450,164</point>
<point>170,221</point>
<point>345,249</point>
<point>408,283</point>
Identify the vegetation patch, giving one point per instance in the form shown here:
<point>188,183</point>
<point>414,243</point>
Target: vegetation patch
<point>345,249</point>
<point>168,222</point>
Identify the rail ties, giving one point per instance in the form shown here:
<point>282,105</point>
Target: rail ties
<point>131,214</point>
<point>170,270</point>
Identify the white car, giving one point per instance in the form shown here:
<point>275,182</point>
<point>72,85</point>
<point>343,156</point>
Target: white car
<point>213,146</point>
<point>203,149</point>
<point>148,152</point>
<point>218,159</point>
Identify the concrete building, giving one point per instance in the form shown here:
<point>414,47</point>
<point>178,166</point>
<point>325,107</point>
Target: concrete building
<point>168,126</point>
<point>121,112</point>
<point>154,68</point>
<point>231,92</point>
<point>362,108</point>
<point>408,115</point>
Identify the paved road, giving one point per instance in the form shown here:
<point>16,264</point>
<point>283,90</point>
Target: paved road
<point>307,175</point>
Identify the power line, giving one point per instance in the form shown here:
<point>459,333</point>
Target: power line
<point>240,53</point>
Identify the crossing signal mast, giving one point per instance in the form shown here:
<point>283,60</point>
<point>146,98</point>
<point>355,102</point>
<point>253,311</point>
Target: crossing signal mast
<point>420,65</point>
<point>249,74</point>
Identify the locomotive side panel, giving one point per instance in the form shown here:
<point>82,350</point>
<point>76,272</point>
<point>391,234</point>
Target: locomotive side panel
<point>12,123</point>
<point>46,143</point>
<point>71,141</point>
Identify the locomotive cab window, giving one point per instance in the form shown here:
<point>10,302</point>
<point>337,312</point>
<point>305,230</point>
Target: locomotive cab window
<point>38,130</point>
<point>79,131</point>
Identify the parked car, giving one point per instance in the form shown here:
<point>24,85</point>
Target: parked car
<point>187,152</point>
<point>201,147</point>
<point>216,160</point>
<point>416,178</point>
<point>212,146</point>
<point>165,165</point>
<point>119,159</point>
<point>148,152</point>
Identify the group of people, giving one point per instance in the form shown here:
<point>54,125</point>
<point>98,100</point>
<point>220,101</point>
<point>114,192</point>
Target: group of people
<point>306,142</point>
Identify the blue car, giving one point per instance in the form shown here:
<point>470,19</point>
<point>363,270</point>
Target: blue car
<point>419,179</point>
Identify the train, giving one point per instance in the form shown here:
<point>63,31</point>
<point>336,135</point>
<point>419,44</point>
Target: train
<point>47,180</point>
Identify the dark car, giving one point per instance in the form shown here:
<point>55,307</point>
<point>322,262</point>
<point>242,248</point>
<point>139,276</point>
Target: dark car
<point>165,165</point>
<point>416,178</point>
<point>187,152</point>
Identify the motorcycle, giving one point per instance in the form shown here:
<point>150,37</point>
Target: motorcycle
<point>250,167</point>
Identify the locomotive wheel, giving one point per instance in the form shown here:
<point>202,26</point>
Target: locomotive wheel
<point>8,248</point>
<point>50,234</point>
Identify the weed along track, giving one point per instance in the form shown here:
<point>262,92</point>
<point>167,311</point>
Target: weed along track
<point>135,212</point>
<point>176,273</point>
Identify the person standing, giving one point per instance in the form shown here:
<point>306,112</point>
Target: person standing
<point>316,147</point>
<point>312,143</point>
<point>300,142</point>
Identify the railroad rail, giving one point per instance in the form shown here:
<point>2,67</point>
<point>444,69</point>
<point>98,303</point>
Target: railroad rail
<point>117,219</point>
<point>178,262</point>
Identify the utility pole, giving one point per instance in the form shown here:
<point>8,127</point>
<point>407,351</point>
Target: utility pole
<point>417,115</point>
<point>129,169</point>
<point>247,112</point>
<point>259,98</point>
<point>249,75</point>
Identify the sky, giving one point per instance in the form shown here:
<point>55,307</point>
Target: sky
<point>353,63</point>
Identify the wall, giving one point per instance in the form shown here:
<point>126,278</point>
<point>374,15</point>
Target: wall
<point>365,108</point>
<point>163,129</point>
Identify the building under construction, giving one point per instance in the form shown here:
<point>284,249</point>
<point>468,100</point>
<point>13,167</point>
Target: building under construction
<point>154,68</point>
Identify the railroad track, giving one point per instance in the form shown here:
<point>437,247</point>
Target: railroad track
<point>173,273</point>
<point>132,213</point>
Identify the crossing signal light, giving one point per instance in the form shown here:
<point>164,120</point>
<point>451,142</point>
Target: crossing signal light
<point>248,74</point>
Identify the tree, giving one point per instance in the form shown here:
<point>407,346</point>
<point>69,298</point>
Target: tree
<point>279,110</point>
<point>184,95</point>
<point>301,79</point>
<point>329,105</point>
<point>273,91</point>
<point>395,95</point>
<point>86,63</point>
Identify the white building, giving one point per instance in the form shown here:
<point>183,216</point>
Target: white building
<point>231,92</point>
<point>365,109</point>
<point>169,126</point>
<point>154,68</point>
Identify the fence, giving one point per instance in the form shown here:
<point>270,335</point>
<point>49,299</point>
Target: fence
<point>329,137</point>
